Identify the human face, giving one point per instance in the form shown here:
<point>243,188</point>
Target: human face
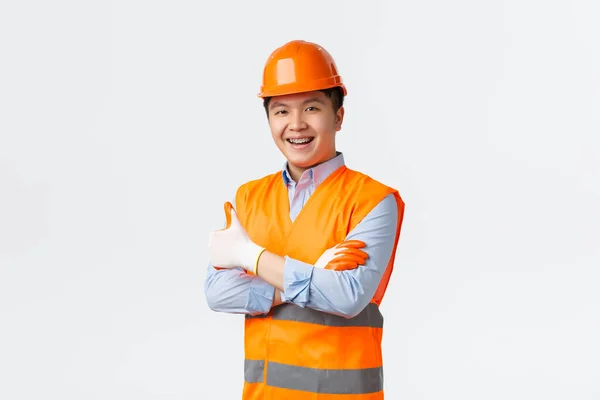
<point>304,126</point>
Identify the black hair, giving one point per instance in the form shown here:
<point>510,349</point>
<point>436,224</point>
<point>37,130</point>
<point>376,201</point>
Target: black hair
<point>336,94</point>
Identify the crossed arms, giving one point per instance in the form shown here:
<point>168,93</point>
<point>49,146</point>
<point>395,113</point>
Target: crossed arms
<point>284,279</point>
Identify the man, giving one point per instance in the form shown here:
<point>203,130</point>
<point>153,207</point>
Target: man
<point>290,257</point>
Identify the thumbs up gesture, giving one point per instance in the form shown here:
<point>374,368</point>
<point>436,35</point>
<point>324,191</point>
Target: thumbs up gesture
<point>231,247</point>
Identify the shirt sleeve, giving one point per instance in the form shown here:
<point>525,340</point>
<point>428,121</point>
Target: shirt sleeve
<point>237,292</point>
<point>346,293</point>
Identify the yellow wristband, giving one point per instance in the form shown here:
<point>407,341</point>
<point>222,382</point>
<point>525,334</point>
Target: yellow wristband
<point>255,269</point>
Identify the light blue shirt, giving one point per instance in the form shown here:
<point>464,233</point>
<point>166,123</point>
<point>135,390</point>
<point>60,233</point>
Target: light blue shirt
<point>345,293</point>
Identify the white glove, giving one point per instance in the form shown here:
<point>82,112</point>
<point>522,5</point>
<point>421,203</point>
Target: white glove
<point>232,247</point>
<point>343,256</point>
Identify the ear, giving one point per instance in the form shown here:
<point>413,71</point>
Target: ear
<point>339,118</point>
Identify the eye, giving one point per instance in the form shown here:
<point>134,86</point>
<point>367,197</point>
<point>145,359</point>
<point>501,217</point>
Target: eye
<point>312,108</point>
<point>280,112</point>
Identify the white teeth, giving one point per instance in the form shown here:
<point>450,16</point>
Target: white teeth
<point>299,141</point>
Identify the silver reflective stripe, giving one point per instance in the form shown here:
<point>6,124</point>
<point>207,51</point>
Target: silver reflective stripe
<point>370,316</point>
<point>329,381</point>
<point>257,316</point>
<point>254,371</point>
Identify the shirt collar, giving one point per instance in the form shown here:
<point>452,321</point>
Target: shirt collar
<point>316,174</point>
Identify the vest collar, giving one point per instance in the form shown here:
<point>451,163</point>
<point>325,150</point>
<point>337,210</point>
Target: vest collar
<point>316,174</point>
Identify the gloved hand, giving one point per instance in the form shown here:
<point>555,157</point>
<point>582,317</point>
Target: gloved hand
<point>231,247</point>
<point>343,256</point>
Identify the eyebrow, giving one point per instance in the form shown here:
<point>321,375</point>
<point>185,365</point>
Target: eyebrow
<point>311,100</point>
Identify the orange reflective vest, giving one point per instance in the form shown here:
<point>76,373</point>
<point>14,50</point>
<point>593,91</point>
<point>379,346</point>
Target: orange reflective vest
<point>298,353</point>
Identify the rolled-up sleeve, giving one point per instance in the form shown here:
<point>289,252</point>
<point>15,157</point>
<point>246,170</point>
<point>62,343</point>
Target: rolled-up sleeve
<point>260,297</point>
<point>297,276</point>
<point>235,291</point>
<point>347,293</point>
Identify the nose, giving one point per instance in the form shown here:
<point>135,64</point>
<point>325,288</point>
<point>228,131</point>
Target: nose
<point>297,122</point>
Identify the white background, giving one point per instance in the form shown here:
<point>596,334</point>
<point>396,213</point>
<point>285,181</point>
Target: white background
<point>124,127</point>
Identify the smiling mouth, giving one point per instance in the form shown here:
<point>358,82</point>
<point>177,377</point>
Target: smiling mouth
<point>300,140</point>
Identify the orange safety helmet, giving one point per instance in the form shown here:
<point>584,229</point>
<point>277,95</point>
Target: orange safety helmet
<point>299,66</point>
